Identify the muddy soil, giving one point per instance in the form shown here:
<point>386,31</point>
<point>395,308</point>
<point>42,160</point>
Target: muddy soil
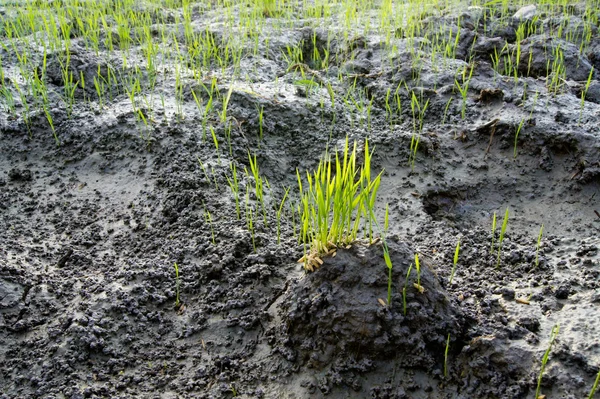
<point>90,231</point>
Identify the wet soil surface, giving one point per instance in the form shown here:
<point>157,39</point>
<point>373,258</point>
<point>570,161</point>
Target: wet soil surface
<point>90,231</point>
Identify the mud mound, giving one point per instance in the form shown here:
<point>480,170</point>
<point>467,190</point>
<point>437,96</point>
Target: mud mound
<point>336,314</point>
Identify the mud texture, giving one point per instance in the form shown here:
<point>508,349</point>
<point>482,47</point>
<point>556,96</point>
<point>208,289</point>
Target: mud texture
<point>90,231</point>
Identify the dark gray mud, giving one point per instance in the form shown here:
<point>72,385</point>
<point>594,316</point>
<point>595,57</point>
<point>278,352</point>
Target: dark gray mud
<point>90,230</point>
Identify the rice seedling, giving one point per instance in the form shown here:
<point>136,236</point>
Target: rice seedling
<point>386,254</point>
<point>446,356</point>
<point>260,122</point>
<point>553,336</point>
<point>455,262</point>
<point>179,94</point>
<point>446,110</point>
<point>203,169</point>
<point>197,100</point>
<point>216,143</point>
<point>228,138</point>
<point>99,86</point>
<point>51,123</point>
<point>584,93</point>
<point>418,285</point>
<point>307,86</point>
<point>388,108</point>
<point>235,189</point>
<point>501,238</point>
<point>398,101</point>
<point>418,112</point>
<point>279,212</point>
<point>463,89</point>
<point>388,262</point>
<point>207,109</point>
<point>258,184</point>
<point>539,243</point>
<point>595,386</point>
<point>177,284</point>
<point>517,137</point>
<point>226,104</point>
<point>369,107</point>
<point>331,94</point>
<point>370,196</point>
<point>250,218</point>
<point>209,220</point>
<point>334,204</point>
<point>522,123</point>
<point>405,288</point>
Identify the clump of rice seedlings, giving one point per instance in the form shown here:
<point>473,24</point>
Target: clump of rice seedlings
<point>501,238</point>
<point>279,212</point>
<point>405,288</point>
<point>69,86</point>
<point>338,196</point>
<point>293,55</point>
<point>446,356</point>
<point>556,79</point>
<point>553,336</point>
<point>537,247</point>
<point>493,232</point>
<point>177,284</point>
<point>595,386</point>
<point>455,262</point>
<point>9,100</point>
